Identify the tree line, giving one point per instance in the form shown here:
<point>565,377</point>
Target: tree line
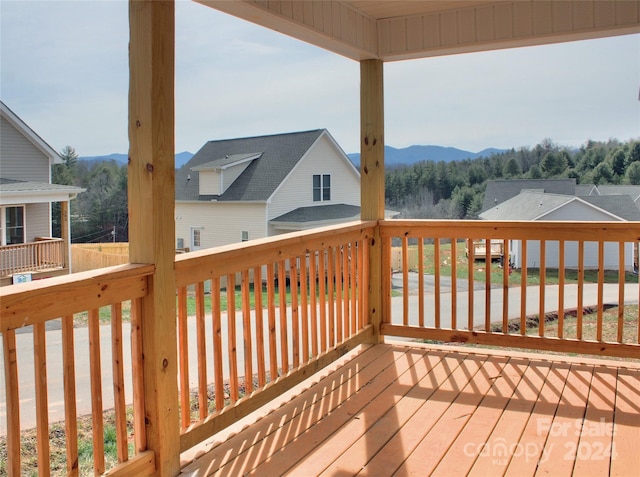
<point>455,190</point>
<point>424,190</point>
<point>101,213</point>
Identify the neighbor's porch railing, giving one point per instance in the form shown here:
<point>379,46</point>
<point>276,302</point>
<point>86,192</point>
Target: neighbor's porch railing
<point>264,315</point>
<point>44,254</point>
<point>484,307</point>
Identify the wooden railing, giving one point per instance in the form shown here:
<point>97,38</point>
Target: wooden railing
<point>256,318</point>
<point>267,315</point>
<point>450,297</point>
<point>33,364</point>
<point>31,257</point>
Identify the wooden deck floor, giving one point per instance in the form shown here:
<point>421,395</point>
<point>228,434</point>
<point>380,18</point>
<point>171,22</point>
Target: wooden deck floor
<point>399,409</point>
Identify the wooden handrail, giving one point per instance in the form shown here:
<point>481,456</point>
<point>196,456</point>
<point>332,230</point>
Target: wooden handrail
<point>38,301</point>
<point>483,323</point>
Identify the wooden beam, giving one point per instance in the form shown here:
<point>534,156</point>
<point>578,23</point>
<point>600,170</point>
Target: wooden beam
<point>372,176</point>
<point>151,217</point>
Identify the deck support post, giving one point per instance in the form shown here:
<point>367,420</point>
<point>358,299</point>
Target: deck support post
<point>151,217</point>
<point>372,178</point>
<point>65,233</point>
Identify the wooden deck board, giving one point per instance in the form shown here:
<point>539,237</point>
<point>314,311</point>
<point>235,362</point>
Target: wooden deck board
<point>416,409</point>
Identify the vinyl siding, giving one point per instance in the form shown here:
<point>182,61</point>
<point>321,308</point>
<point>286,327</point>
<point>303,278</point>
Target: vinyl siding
<point>577,210</point>
<point>210,183</point>
<point>581,212</point>
<point>19,158</point>
<point>38,223</point>
<point>297,189</point>
<point>222,223</point>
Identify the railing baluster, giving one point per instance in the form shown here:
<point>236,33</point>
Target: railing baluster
<point>561,288</point>
<point>69,380</point>
<point>295,331</point>
<point>436,278</point>
<point>621,283</point>
<point>323,278</point>
<point>231,330</point>
<point>541,287</point>
<point>42,405</point>
<point>601,290</point>
<point>421,281</point>
<point>13,401</point>
<point>120,404</point>
<point>345,288</point>
<point>523,288</point>
<point>487,284</point>
<point>284,339</point>
<point>201,343</point>
<point>96,391</point>
<point>257,292</point>
<point>246,326</point>
<point>506,272</point>
<point>338,294</point>
<point>216,319</point>
<point>580,289</point>
<point>331,278</point>
<point>139,429</point>
<point>471,257</point>
<point>454,284</point>
<point>313,281</point>
<point>183,359</point>
<point>271,293</point>
<point>405,280</point>
<point>304,305</point>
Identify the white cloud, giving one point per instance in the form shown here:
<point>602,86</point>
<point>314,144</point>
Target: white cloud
<point>65,72</point>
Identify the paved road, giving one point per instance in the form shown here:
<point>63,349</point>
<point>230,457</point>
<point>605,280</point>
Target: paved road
<point>54,340</point>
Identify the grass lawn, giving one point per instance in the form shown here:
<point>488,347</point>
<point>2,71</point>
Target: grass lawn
<point>496,272</point>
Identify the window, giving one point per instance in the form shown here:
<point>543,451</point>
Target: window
<point>321,187</point>
<point>245,236</point>
<point>196,238</point>
<point>13,225</point>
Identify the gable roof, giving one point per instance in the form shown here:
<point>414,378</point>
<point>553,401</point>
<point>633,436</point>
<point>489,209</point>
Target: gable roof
<point>632,191</point>
<point>619,205</point>
<point>535,205</point>
<point>275,158</point>
<point>498,191</point>
<point>30,134</point>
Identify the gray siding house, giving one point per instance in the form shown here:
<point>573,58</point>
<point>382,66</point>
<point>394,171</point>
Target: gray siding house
<point>27,249</point>
<point>535,204</point>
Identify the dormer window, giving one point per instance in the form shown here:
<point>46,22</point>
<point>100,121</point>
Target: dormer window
<point>321,187</point>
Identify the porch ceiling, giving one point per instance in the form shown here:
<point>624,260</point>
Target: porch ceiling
<point>395,30</point>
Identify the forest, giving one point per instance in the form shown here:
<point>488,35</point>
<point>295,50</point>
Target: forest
<point>455,190</point>
<point>423,190</point>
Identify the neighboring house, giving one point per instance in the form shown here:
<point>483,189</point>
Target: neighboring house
<point>242,189</point>
<point>27,249</point>
<point>536,205</point>
<point>497,191</point>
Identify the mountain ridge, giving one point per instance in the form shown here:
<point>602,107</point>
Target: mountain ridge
<point>393,156</point>
<point>417,153</point>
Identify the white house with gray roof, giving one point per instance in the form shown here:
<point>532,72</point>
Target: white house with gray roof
<point>248,188</point>
<point>26,195</point>
<point>537,205</point>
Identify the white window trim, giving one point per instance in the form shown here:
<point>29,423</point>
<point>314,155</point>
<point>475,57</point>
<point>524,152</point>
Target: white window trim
<point>322,199</point>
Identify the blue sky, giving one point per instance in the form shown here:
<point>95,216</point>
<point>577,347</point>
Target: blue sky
<point>64,71</point>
